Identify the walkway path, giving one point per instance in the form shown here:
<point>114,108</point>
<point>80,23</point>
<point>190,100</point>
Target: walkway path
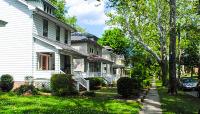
<point>152,103</point>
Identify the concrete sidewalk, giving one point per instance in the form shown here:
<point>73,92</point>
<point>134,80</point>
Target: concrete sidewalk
<point>152,103</point>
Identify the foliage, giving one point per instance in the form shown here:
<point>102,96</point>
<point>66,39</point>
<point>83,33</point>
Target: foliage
<point>30,89</point>
<point>125,86</point>
<point>89,93</point>
<point>11,103</point>
<point>96,82</point>
<point>116,39</point>
<point>6,82</point>
<point>62,84</point>
<point>61,12</point>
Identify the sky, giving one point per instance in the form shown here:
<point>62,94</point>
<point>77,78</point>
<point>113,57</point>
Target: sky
<point>90,15</point>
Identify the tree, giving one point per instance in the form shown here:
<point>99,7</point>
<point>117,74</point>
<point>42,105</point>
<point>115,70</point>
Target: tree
<point>116,39</point>
<point>172,49</point>
<point>60,14</point>
<point>145,23</point>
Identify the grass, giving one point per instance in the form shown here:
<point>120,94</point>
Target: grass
<point>179,104</point>
<point>102,104</point>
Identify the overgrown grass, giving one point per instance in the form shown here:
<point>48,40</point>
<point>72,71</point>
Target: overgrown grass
<point>11,103</point>
<point>179,104</point>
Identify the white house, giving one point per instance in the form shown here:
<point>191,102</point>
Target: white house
<point>101,61</point>
<point>33,41</point>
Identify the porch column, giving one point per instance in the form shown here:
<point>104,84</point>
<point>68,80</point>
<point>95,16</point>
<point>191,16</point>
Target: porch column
<point>57,62</point>
<point>101,68</point>
<point>88,68</point>
<point>72,65</point>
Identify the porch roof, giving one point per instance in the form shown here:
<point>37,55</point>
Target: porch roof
<point>97,58</point>
<point>65,48</point>
<point>118,66</point>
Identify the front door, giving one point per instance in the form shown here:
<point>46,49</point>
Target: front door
<point>67,64</point>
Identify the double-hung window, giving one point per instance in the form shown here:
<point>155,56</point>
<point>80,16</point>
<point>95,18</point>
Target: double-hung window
<point>45,28</point>
<point>66,37</point>
<point>58,33</point>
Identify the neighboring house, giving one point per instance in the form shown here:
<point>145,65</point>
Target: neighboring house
<point>118,65</point>
<point>34,42</point>
<point>101,61</point>
<point>92,65</point>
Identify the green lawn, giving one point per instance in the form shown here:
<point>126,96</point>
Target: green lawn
<point>180,104</point>
<point>11,103</point>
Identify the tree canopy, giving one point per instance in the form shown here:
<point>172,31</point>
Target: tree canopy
<point>116,39</point>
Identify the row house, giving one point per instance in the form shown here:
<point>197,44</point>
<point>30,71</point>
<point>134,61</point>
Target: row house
<point>33,41</point>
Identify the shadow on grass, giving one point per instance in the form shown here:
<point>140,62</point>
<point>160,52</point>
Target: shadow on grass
<point>11,103</point>
<point>179,104</point>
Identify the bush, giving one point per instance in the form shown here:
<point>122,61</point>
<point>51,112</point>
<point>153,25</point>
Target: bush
<point>6,82</point>
<point>96,82</point>
<point>23,89</point>
<point>62,85</point>
<point>125,86</point>
<point>89,94</point>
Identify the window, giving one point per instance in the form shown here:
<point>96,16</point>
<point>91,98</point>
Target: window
<point>45,28</point>
<point>66,36</point>
<point>46,61</point>
<point>58,33</point>
<point>45,8</point>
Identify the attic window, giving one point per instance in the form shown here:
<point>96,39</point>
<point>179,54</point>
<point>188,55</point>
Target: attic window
<point>47,9</point>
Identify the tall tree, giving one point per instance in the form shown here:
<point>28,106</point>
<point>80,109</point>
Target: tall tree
<point>145,23</point>
<point>172,49</point>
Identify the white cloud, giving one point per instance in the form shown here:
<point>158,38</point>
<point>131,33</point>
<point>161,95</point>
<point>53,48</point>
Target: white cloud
<point>89,12</point>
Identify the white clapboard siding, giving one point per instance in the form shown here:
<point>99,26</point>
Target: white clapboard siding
<point>38,28</point>
<point>16,39</point>
<point>40,46</point>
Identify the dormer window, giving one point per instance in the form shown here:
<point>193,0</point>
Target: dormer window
<point>47,9</point>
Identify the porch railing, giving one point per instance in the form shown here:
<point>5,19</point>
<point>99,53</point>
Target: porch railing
<point>79,81</point>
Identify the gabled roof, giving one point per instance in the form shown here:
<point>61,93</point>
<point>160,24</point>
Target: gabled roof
<point>54,19</point>
<point>61,46</point>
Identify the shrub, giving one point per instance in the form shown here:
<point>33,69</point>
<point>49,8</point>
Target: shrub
<point>89,94</point>
<point>6,82</point>
<point>125,86</point>
<point>23,89</point>
<point>62,85</point>
<point>95,82</point>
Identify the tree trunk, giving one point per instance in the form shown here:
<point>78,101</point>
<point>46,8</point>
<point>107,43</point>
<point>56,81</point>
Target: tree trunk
<point>192,71</point>
<point>179,51</point>
<point>164,69</point>
<point>163,45</point>
<point>172,49</point>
